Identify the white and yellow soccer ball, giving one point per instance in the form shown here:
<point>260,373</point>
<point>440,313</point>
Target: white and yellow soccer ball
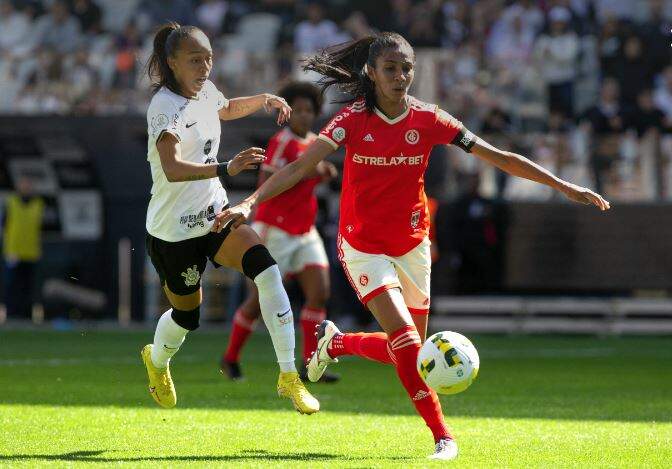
<point>448,362</point>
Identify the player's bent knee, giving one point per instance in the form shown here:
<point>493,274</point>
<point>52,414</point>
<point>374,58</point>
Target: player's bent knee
<point>256,260</point>
<point>189,320</point>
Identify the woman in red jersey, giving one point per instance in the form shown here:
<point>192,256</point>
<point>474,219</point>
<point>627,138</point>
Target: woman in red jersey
<point>383,233</point>
<point>286,225</point>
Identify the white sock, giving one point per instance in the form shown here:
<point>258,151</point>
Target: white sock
<point>167,339</point>
<point>277,314</point>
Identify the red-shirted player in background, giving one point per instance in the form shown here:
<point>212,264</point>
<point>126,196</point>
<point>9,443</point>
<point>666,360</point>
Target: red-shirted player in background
<point>384,222</point>
<point>286,225</point>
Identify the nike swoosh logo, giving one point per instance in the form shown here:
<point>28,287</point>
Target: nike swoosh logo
<point>192,124</point>
<point>169,348</point>
<point>283,314</point>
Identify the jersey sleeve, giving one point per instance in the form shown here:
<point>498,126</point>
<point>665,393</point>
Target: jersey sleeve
<point>275,154</point>
<point>217,97</point>
<point>163,116</point>
<point>447,129</point>
<point>339,129</point>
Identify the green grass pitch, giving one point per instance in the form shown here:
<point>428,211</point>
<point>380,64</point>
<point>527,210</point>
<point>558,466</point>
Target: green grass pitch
<point>74,399</point>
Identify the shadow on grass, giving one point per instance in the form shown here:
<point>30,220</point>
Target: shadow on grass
<point>98,456</point>
<point>553,377</point>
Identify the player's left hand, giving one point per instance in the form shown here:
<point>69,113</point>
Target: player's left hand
<point>585,196</point>
<point>236,216</point>
<point>246,160</point>
<point>327,170</point>
<point>276,102</point>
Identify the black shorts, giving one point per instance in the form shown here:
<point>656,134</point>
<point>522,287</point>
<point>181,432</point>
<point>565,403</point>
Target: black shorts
<point>181,264</point>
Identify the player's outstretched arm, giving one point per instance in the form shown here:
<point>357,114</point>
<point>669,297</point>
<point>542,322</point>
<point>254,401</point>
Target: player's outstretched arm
<point>279,182</point>
<point>244,106</point>
<point>518,165</point>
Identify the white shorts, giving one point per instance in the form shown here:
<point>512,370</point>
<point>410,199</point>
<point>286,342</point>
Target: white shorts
<point>293,253</point>
<point>372,274</point>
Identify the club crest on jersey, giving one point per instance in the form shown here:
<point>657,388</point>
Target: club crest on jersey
<point>207,147</point>
<point>412,136</point>
<point>363,280</point>
<point>191,276</point>
<point>415,219</point>
<point>338,134</point>
<point>159,122</point>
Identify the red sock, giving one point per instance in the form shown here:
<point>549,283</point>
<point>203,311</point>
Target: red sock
<point>310,317</point>
<point>240,331</point>
<point>373,346</point>
<point>405,344</point>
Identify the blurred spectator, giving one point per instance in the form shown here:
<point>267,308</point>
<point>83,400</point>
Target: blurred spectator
<point>605,121</point>
<point>662,96</point>
<point>14,28</point>
<point>454,21</point>
<point>399,17</point>
<point>609,46</point>
<point>58,30</point>
<point>557,55</point>
<point>470,232</point>
<point>656,33</point>
<point>89,16</point>
<point>316,32</point>
<point>79,75</point>
<point>357,26</point>
<point>211,15</point>
<point>127,44</point>
<point>634,71</point>
<point>645,116</point>
<point>22,247</point>
<point>162,11</point>
<point>423,30</point>
<point>512,39</point>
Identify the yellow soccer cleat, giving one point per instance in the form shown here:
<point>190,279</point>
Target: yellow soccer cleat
<point>291,387</point>
<point>161,385</point>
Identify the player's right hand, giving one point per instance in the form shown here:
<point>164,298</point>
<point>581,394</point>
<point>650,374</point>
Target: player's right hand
<point>236,216</point>
<point>250,158</point>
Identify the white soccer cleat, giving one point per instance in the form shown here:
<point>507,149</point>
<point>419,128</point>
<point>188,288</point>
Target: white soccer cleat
<point>320,358</point>
<point>446,449</point>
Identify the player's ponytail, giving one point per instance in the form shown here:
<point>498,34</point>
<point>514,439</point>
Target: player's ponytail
<point>344,64</point>
<point>166,42</point>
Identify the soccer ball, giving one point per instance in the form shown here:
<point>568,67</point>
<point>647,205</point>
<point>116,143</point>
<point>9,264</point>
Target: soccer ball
<point>448,362</point>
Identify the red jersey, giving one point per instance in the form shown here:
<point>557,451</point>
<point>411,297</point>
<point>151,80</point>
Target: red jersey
<point>294,210</point>
<point>383,201</point>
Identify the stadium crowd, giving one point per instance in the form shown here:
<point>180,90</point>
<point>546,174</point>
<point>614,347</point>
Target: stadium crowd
<point>582,86</point>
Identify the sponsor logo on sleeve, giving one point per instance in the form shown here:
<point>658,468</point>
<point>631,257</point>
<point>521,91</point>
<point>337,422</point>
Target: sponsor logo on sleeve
<point>338,134</point>
<point>159,122</point>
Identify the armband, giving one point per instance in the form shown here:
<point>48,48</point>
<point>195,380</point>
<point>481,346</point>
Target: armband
<point>464,140</point>
<point>223,169</point>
